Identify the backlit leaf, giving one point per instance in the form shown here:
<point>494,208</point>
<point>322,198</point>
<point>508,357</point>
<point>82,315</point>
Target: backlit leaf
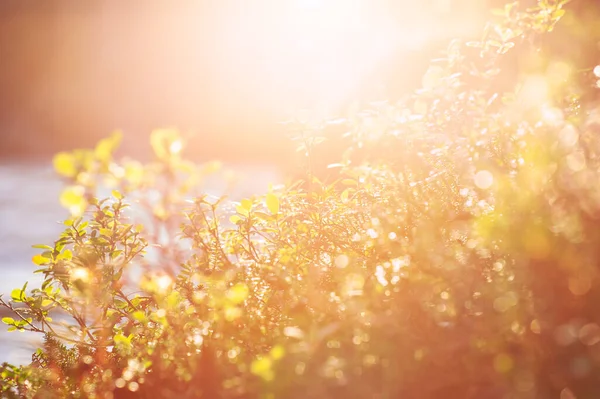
<point>262,367</point>
<point>117,194</point>
<point>247,204</point>
<point>238,293</point>
<point>39,259</point>
<point>17,295</point>
<point>42,246</point>
<point>272,203</point>
<point>73,199</point>
<point>139,316</point>
<point>277,352</point>
<point>105,148</point>
<point>64,164</point>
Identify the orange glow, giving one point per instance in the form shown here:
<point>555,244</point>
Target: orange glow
<point>226,70</point>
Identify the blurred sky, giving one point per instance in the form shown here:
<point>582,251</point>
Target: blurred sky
<point>228,70</point>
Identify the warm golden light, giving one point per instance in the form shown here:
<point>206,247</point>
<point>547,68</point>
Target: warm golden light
<point>441,242</point>
<point>318,54</point>
<point>80,273</point>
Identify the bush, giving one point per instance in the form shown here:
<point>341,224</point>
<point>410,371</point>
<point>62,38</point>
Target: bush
<point>458,259</point>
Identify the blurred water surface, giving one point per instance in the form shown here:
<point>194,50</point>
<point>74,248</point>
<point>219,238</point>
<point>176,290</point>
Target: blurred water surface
<point>29,214</point>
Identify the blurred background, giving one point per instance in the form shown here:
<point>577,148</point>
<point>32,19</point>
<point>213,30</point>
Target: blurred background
<point>224,72</point>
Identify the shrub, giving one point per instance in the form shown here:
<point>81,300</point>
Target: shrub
<point>458,259</point>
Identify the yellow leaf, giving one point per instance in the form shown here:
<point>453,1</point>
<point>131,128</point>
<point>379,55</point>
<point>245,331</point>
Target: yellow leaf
<point>345,194</point>
<point>241,210</point>
<point>47,302</point>
<point>558,14</point>
<point>238,293</point>
<point>165,142</point>
<point>66,255</point>
<point>232,313</point>
<point>64,164</point>
<point>134,172</point>
<point>17,295</point>
<point>160,212</point>
<point>277,352</point>
<point>273,203</point>
<point>105,147</point>
<point>247,204</point>
<point>122,339</point>
<point>106,232</point>
<point>173,299</point>
<point>39,259</point>
<point>117,194</point>
<point>262,368</point>
<point>139,316</point>
<point>72,199</point>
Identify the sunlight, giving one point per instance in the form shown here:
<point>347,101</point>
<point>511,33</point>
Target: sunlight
<point>320,54</point>
<point>330,47</point>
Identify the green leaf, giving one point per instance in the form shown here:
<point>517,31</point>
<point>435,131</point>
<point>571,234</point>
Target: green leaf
<point>12,328</point>
<point>272,203</point>
<point>8,320</point>
<point>47,302</point>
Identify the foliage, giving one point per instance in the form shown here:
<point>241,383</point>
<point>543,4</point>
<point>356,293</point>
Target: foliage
<point>458,259</point>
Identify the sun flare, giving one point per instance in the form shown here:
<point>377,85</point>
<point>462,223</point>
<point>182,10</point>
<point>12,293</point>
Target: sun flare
<point>319,54</point>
